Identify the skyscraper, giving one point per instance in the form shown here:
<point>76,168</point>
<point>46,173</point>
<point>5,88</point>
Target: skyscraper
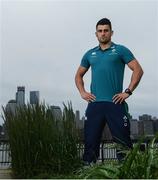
<point>34,97</point>
<point>77,115</point>
<point>11,106</point>
<point>155,126</point>
<point>147,124</point>
<point>145,117</point>
<point>134,128</point>
<point>140,128</point>
<point>148,127</point>
<point>56,110</point>
<point>20,95</point>
<point>79,122</point>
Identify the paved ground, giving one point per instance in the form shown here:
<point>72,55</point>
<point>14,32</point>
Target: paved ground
<point>5,174</point>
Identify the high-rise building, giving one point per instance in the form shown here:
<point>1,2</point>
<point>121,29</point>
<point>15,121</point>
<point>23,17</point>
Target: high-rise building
<point>79,122</point>
<point>80,127</point>
<point>140,128</point>
<point>134,128</point>
<point>77,115</point>
<point>34,97</point>
<point>20,95</point>
<point>145,117</point>
<point>148,127</point>
<point>56,110</point>
<point>11,106</point>
<point>155,126</point>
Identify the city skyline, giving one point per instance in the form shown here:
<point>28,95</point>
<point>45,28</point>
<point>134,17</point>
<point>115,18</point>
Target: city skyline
<point>34,99</point>
<point>47,39</point>
<point>144,125</point>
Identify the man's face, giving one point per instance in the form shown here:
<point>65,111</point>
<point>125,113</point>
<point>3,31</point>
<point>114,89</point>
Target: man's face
<point>103,33</point>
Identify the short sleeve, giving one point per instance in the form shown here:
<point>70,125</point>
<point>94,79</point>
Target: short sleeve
<point>84,61</point>
<point>126,54</point>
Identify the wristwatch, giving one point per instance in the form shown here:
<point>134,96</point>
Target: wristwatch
<point>128,91</point>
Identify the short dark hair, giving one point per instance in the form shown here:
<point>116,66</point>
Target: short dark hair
<point>104,21</point>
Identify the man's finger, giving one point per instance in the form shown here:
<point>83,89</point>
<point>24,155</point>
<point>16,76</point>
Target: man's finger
<point>122,100</point>
<point>118,100</point>
<point>115,96</point>
<point>92,95</point>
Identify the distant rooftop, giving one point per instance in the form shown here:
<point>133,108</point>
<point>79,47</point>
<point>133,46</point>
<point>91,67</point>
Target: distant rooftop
<point>12,101</point>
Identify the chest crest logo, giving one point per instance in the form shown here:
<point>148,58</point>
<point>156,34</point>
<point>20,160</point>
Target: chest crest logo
<point>93,53</point>
<point>113,51</point>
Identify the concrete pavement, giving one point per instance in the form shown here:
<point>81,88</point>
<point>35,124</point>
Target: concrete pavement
<point>5,174</point>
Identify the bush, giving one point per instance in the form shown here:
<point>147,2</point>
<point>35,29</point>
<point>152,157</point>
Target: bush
<point>142,165</point>
<point>40,143</point>
<point>137,165</point>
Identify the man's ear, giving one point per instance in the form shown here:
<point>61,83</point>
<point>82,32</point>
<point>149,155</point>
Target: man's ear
<point>96,34</point>
<point>112,32</point>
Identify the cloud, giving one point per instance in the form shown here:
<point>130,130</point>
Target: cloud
<point>44,41</point>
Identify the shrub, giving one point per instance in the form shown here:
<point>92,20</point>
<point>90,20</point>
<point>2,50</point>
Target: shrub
<point>137,165</point>
<point>40,143</point>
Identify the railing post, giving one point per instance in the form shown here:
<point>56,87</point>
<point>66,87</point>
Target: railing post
<point>102,151</point>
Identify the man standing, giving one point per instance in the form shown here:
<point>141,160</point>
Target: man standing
<point>106,101</point>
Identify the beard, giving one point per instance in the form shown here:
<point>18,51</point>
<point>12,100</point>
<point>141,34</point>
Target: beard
<point>104,40</point>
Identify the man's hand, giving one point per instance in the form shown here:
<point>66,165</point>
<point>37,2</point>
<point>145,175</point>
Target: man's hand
<point>119,98</point>
<point>88,96</point>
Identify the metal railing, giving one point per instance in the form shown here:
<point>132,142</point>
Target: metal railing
<point>5,159</point>
<point>107,151</point>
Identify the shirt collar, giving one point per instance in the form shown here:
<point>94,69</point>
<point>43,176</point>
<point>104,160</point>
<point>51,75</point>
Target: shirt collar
<point>112,46</point>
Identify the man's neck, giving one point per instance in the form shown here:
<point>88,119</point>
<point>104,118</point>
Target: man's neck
<point>104,46</point>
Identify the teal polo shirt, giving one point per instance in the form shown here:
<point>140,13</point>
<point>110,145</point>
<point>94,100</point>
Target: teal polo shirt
<point>107,67</point>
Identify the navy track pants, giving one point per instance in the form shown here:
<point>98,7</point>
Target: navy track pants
<point>97,114</point>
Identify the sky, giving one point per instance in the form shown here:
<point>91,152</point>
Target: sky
<point>43,41</point>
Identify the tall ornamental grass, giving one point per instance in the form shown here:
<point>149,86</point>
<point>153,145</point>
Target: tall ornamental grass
<point>40,143</point>
<point>137,165</point>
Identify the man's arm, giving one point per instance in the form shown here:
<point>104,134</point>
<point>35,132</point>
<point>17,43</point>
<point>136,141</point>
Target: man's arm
<point>136,75</point>
<point>80,84</point>
<point>135,79</point>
